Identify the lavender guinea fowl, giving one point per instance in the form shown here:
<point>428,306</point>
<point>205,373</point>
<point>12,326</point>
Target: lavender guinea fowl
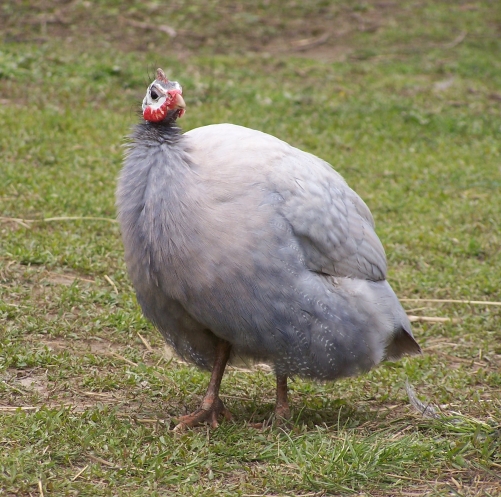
<point>240,245</point>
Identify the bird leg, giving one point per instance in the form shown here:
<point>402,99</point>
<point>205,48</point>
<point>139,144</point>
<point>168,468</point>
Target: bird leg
<point>212,406</point>
<point>282,410</point>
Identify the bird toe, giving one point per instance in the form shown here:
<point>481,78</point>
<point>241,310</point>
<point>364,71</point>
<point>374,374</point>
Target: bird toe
<point>203,415</point>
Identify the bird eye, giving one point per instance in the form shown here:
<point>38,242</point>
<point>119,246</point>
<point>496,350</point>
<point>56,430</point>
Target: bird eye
<point>154,95</point>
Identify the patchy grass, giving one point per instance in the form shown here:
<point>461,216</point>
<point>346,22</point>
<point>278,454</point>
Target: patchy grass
<point>402,98</point>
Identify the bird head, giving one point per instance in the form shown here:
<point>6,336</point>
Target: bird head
<point>163,98</point>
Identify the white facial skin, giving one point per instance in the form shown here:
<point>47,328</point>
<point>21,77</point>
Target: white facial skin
<point>155,96</point>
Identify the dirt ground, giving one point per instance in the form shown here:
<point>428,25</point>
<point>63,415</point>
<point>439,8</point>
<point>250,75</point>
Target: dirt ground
<point>324,33</point>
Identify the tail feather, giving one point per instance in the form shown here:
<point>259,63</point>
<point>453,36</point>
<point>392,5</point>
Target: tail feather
<point>403,343</point>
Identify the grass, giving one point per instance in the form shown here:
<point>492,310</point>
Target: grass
<point>403,99</point>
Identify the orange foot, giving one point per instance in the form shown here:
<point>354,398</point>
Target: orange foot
<point>205,414</point>
<point>282,413</point>
<point>280,417</point>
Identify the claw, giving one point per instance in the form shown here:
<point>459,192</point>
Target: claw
<point>282,413</point>
<point>204,415</point>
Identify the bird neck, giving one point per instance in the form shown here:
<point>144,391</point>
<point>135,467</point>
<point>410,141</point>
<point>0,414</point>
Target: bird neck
<point>166,131</point>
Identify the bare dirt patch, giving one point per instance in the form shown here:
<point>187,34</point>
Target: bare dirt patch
<point>12,273</point>
<point>66,279</point>
<point>97,347</point>
<point>320,32</point>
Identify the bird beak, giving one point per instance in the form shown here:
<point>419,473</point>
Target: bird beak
<point>179,105</point>
<point>179,102</point>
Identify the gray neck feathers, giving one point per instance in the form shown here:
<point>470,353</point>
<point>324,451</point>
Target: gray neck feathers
<point>152,196</point>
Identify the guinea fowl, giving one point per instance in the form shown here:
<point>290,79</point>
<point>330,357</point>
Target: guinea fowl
<point>241,246</point>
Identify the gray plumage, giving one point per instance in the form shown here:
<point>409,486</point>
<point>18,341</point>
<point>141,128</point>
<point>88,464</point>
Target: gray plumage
<point>232,234</point>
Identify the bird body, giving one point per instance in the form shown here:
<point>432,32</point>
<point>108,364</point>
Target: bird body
<point>234,231</point>
<point>233,235</point>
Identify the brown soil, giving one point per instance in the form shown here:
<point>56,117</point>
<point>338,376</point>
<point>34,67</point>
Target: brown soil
<point>325,33</point>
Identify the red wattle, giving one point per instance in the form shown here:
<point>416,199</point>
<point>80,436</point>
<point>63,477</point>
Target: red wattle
<point>155,115</point>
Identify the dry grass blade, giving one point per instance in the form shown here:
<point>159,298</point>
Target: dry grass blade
<point>111,282</point>
<point>148,421</point>
<point>79,473</point>
<point>118,356</point>
<point>456,41</point>
<point>22,222</point>
<point>146,25</point>
<point>110,465</point>
<point>98,394</point>
<point>25,222</point>
<point>100,460</point>
<point>145,342</point>
<point>310,494</point>
<point>18,408</point>
<point>73,218</point>
<point>432,319</point>
<point>308,43</point>
<point>453,301</point>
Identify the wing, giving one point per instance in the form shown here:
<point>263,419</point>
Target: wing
<point>332,223</point>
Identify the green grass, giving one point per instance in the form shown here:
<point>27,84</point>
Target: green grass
<point>403,99</point>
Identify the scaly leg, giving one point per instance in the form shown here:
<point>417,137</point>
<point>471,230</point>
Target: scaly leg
<point>282,410</point>
<point>212,406</point>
